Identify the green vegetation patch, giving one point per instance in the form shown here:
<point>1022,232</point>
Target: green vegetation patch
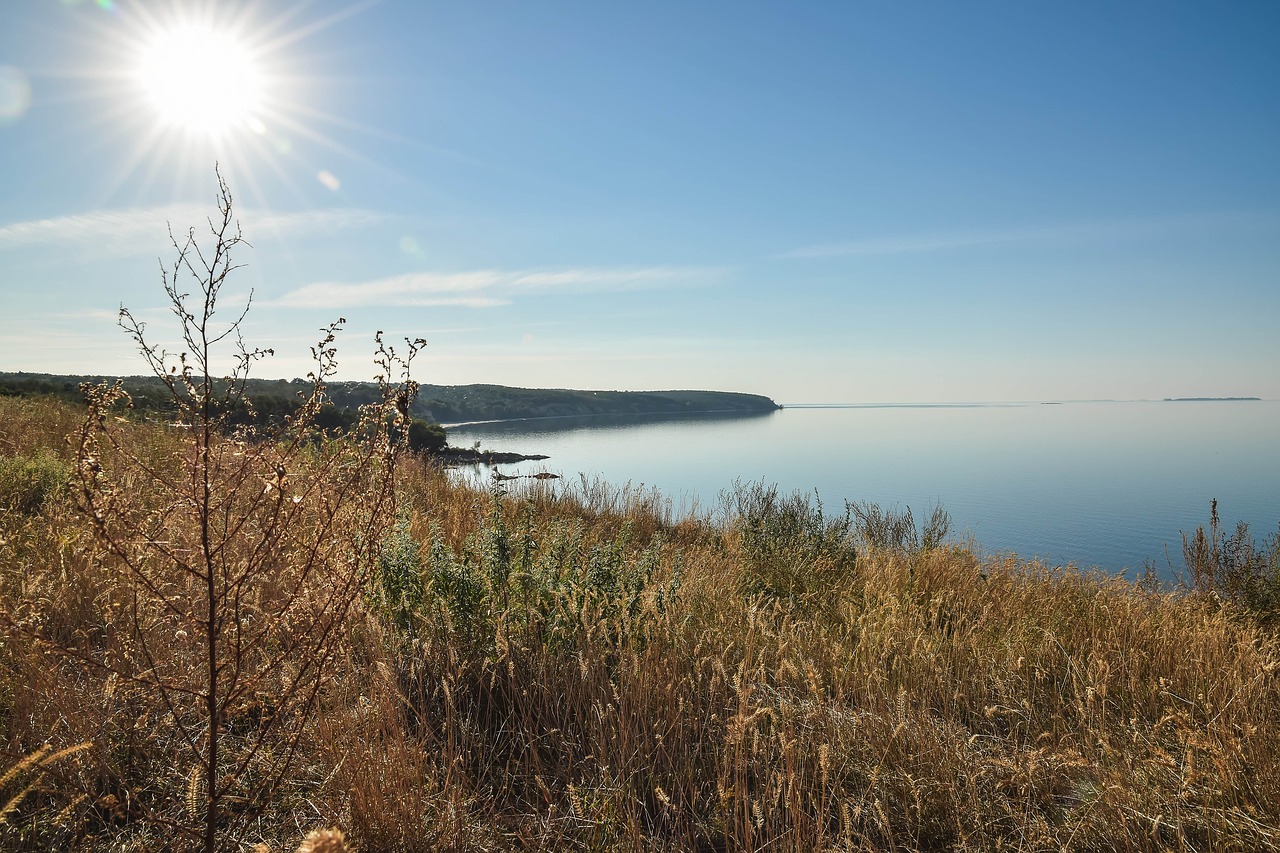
<point>26,482</point>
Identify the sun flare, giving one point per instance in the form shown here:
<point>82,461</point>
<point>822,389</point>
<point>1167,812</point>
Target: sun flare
<point>201,81</point>
<point>177,86</point>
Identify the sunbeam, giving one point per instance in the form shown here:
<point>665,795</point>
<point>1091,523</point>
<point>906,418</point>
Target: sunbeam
<point>169,88</point>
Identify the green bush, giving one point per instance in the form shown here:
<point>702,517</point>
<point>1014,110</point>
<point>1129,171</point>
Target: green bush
<point>792,549</point>
<point>457,592</point>
<point>400,575</point>
<point>1236,569</point>
<point>513,576</point>
<point>27,482</point>
<point>425,437</point>
<point>893,530</point>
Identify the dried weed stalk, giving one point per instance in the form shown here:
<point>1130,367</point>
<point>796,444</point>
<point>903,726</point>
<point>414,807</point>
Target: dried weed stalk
<point>243,555</point>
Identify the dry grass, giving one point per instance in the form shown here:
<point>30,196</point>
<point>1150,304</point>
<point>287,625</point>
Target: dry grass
<point>576,669</point>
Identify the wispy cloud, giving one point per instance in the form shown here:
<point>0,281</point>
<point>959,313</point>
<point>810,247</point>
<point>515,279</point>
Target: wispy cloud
<point>906,244</point>
<point>139,230</point>
<point>324,221</point>
<point>488,288</point>
<point>1132,228</point>
<point>613,278</point>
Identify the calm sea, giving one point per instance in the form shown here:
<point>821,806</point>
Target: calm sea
<point>1107,484</point>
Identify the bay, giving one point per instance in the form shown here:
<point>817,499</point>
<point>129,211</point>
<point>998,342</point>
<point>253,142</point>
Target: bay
<point>1095,484</point>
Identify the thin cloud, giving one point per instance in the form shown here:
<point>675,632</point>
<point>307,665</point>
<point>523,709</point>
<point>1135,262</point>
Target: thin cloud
<point>325,221</point>
<point>102,314</point>
<point>488,288</point>
<point>136,230</point>
<point>907,244</point>
<point>521,353</point>
<point>1135,228</point>
<point>607,278</point>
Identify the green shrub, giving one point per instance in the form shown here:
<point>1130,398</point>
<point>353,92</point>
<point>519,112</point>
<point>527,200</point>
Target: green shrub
<point>27,482</point>
<point>893,530</point>
<point>458,592</point>
<point>791,548</point>
<point>400,575</point>
<point>425,437</point>
<point>515,575</point>
<point>1236,569</point>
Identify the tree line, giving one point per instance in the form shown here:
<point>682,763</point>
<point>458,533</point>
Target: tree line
<point>265,405</point>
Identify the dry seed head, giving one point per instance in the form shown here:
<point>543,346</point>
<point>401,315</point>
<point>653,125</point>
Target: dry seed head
<point>16,800</point>
<point>194,787</point>
<point>324,841</point>
<point>575,803</point>
<point>32,759</point>
<point>40,758</point>
<point>64,816</point>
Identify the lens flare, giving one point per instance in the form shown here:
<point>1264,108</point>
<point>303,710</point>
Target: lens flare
<point>15,93</point>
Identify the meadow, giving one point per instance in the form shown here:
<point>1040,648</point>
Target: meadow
<point>568,666</point>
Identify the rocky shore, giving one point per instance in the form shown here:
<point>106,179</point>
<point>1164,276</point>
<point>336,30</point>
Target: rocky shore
<point>475,456</point>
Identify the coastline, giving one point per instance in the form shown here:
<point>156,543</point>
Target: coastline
<point>662,414</point>
<point>471,456</point>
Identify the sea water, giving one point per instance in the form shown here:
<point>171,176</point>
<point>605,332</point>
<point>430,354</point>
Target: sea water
<point>1097,484</point>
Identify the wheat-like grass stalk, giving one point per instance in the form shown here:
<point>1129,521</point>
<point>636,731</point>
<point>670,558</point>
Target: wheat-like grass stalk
<point>194,788</point>
<point>42,758</point>
<point>30,760</point>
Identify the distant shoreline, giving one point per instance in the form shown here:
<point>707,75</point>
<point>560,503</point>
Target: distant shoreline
<point>604,415</point>
<point>1209,399</point>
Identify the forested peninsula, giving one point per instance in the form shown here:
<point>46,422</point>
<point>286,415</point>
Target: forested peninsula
<point>461,403</point>
<point>443,404</point>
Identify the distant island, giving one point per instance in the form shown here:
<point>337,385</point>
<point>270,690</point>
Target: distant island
<point>1207,399</point>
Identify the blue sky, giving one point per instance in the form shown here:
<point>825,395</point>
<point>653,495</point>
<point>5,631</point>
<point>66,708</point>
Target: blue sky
<point>848,201</point>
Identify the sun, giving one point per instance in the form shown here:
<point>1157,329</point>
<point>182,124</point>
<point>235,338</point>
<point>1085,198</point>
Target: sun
<point>201,81</point>
<point>173,87</point>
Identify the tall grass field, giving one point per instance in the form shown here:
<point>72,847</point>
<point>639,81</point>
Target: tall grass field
<point>542,666</point>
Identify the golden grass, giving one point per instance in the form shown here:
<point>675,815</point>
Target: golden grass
<point>574,668</point>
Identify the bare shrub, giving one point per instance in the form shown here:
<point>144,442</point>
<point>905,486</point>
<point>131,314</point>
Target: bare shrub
<point>238,558</point>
